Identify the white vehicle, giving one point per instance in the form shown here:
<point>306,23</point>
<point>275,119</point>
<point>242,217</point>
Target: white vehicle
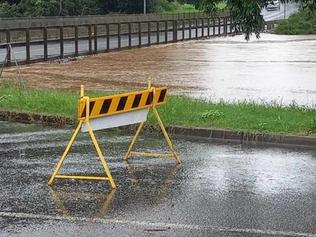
<point>273,5</point>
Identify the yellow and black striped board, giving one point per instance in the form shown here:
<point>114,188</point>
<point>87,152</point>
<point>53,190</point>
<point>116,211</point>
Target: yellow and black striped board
<point>121,103</point>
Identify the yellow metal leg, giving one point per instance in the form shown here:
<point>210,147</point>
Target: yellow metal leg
<point>133,141</point>
<point>102,159</point>
<point>166,136</point>
<point>61,161</point>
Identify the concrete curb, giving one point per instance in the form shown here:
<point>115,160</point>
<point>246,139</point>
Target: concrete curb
<point>244,137</point>
<point>25,117</point>
<point>204,133</point>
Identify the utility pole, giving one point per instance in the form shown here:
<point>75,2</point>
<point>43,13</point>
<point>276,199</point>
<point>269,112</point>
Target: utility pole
<point>144,7</point>
<point>284,10</point>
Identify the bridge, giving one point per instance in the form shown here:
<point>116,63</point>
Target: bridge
<point>30,44</point>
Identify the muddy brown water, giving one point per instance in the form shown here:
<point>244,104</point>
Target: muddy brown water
<point>275,69</point>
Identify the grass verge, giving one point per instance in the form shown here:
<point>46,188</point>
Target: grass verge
<point>179,110</point>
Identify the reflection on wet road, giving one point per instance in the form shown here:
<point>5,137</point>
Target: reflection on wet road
<point>220,190</point>
<point>275,69</point>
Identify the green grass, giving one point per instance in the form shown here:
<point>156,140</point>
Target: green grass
<point>179,110</point>
<point>301,23</point>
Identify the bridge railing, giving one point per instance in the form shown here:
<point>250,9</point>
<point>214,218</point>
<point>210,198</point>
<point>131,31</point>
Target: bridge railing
<point>34,44</point>
<point>270,25</point>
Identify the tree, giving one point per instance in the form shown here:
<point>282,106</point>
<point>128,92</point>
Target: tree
<point>247,13</point>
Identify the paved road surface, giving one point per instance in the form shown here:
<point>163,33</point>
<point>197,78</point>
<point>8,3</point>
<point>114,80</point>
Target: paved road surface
<point>219,190</point>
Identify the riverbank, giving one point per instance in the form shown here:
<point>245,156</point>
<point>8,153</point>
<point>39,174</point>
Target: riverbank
<point>179,111</point>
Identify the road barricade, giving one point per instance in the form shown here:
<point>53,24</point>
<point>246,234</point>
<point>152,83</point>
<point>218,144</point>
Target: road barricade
<point>115,111</point>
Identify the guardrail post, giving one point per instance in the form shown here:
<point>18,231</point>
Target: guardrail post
<point>202,27</point>
<point>95,36</point>
<point>45,43</point>
<point>8,36</point>
<point>208,27</point>
<point>158,31</point>
<point>225,25</point>
<point>175,31</point>
<point>190,30</point>
<point>183,29</point>
<point>166,31</point>
<point>76,42</point>
<point>196,28</point>
<point>129,35</point>
<point>90,38</point>
<point>118,35</point>
<point>27,45</point>
<point>148,33</point>
<point>107,29</point>
<point>219,26</point>
<point>61,38</point>
<point>139,34</point>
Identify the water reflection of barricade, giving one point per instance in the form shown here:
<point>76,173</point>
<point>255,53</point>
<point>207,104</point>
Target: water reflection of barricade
<point>164,185</point>
<point>88,204</point>
<point>99,204</point>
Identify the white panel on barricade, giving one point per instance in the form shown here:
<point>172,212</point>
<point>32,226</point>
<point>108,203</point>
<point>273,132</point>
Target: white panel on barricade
<point>118,120</point>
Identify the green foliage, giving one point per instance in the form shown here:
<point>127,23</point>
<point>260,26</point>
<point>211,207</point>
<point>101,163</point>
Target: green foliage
<point>240,116</point>
<point>175,7</point>
<point>211,115</point>
<point>312,128</point>
<point>72,7</point>
<point>247,13</point>
<point>303,22</point>
<point>221,5</point>
<point>7,10</point>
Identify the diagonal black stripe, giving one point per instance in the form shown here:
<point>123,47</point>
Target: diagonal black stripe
<point>105,106</point>
<point>137,100</point>
<point>91,106</point>
<point>150,98</point>
<point>84,109</point>
<point>162,95</point>
<point>83,112</point>
<point>122,103</point>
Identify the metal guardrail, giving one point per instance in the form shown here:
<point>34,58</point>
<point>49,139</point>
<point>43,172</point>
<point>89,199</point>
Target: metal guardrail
<point>270,25</point>
<point>144,33</point>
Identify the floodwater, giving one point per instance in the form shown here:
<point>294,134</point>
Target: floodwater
<point>274,69</point>
<point>218,190</point>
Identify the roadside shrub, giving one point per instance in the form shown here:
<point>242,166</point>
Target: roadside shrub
<point>175,6</point>
<point>303,22</point>
<point>312,128</point>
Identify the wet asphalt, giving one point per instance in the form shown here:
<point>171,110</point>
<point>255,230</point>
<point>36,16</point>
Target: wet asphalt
<point>218,190</point>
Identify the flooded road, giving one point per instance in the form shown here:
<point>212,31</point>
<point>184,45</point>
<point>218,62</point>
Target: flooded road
<point>275,69</point>
<point>219,190</point>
